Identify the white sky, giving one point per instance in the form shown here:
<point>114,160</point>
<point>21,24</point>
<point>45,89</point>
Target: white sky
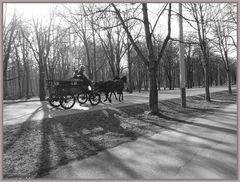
<point>30,9</point>
<point>41,11</point>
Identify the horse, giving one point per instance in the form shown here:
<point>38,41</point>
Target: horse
<point>105,87</point>
<point>111,86</point>
<point>118,86</point>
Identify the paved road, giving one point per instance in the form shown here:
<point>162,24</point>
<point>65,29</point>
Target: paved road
<point>205,149</point>
<point>19,112</point>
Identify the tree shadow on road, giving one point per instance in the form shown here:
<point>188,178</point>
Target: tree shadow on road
<point>78,136</point>
<point>20,147</point>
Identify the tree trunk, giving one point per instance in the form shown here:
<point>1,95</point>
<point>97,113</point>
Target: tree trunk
<point>191,77</point>
<point>42,93</point>
<point>31,78</point>
<point>159,77</point>
<point>153,95</point>
<point>206,79</point>
<point>27,79</point>
<point>94,51</point>
<point>219,75</point>
<point>229,81</point>
<point>26,68</point>
<point>146,85</point>
<point>139,77</point>
<point>199,80</point>
<point>5,77</point>
<point>118,60</point>
<point>188,72</point>
<point>88,57</point>
<point>228,72</point>
<point>173,80</point>
<point>165,80</point>
<point>46,69</point>
<point>18,72</point>
<point>170,82</point>
<point>129,69</point>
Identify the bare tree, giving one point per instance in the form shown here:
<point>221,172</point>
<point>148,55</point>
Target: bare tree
<point>9,35</point>
<point>130,85</point>
<point>169,62</point>
<point>230,20</point>
<point>202,13</point>
<point>189,54</point>
<point>19,67</point>
<point>41,49</point>
<point>78,21</point>
<point>223,37</point>
<point>151,61</point>
<point>25,57</point>
<point>113,41</point>
<point>89,13</point>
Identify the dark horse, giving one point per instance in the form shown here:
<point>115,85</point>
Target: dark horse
<point>118,86</point>
<point>106,88</point>
<point>111,86</point>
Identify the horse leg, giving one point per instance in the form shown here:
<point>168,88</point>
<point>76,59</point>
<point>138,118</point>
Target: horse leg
<point>106,95</point>
<point>115,95</point>
<point>120,95</point>
<point>109,98</point>
<point>101,98</point>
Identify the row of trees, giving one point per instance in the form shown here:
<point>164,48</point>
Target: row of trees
<point>120,39</point>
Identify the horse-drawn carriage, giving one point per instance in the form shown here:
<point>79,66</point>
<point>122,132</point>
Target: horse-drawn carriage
<point>64,93</point>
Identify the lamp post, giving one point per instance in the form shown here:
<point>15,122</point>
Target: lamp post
<point>181,61</point>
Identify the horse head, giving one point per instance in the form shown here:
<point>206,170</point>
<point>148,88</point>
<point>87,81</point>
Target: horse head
<point>116,78</point>
<point>124,79</point>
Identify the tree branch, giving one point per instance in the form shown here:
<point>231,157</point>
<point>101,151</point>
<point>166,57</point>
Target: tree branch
<point>158,18</point>
<point>184,42</point>
<point>168,36</point>
<point>130,36</point>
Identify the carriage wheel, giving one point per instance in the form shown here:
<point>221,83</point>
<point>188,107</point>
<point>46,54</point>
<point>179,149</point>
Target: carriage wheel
<point>82,98</point>
<point>54,101</point>
<point>67,101</point>
<point>94,98</point>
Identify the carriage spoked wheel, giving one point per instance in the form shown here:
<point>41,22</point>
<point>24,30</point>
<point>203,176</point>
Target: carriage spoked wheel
<point>94,98</point>
<point>54,100</point>
<point>82,98</point>
<point>67,101</point>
